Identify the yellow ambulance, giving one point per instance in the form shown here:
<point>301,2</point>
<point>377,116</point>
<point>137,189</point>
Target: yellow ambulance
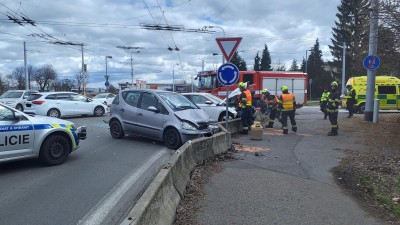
<point>387,90</point>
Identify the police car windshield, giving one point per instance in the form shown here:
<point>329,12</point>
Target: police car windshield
<point>12,94</point>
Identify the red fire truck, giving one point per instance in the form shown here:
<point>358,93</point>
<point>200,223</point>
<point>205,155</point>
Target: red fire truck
<point>257,81</point>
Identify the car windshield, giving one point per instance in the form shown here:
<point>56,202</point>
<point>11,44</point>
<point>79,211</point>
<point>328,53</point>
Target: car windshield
<point>177,101</point>
<point>101,96</point>
<point>12,94</point>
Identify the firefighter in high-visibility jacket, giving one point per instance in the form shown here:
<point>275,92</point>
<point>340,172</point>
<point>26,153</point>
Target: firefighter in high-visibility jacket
<point>287,106</point>
<point>350,96</point>
<point>272,102</point>
<point>333,108</point>
<point>323,103</point>
<point>245,105</point>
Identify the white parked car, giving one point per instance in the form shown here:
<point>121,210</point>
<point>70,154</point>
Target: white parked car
<point>60,104</point>
<point>16,98</point>
<point>106,98</point>
<point>213,105</point>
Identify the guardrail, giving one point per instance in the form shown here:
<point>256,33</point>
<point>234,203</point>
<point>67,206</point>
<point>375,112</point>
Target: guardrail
<point>159,202</point>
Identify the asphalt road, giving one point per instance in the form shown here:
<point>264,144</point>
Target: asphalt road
<point>97,185</point>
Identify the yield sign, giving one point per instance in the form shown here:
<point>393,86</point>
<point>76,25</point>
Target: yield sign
<point>228,46</point>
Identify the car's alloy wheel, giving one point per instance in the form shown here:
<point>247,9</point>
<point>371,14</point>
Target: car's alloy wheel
<point>19,107</point>
<point>54,113</point>
<point>98,111</point>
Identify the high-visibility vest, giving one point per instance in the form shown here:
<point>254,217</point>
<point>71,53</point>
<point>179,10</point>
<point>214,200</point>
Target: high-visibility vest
<point>325,96</point>
<point>272,103</point>
<point>287,101</point>
<point>247,97</point>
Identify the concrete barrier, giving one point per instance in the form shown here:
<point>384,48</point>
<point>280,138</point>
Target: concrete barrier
<point>159,202</point>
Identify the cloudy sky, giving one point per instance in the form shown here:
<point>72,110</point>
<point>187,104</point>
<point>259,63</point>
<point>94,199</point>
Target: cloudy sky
<point>288,27</point>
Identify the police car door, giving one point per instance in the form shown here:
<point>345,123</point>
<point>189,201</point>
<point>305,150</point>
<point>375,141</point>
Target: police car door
<point>16,134</point>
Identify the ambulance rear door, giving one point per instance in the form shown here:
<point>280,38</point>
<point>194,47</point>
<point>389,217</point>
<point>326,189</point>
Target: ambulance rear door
<point>387,95</point>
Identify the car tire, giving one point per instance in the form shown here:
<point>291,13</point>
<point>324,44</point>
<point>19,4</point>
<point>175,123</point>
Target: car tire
<point>116,129</point>
<point>222,116</point>
<point>19,107</point>
<point>54,113</point>
<point>172,139</point>
<point>98,111</point>
<point>55,150</point>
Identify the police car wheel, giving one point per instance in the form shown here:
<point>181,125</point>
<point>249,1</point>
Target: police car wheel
<point>172,139</point>
<point>55,150</point>
<point>116,130</point>
<point>98,111</point>
<point>54,113</point>
<point>19,107</point>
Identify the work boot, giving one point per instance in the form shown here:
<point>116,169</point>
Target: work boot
<point>333,132</point>
<point>294,129</point>
<point>285,131</point>
<point>270,125</point>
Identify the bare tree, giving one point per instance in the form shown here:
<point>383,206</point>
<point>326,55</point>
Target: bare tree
<point>16,78</point>
<point>2,85</point>
<point>63,84</point>
<point>45,76</point>
<point>390,17</point>
<point>80,78</point>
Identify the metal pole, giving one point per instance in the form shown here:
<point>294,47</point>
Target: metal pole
<point>132,69</point>
<point>376,111</point>
<point>373,43</point>
<point>305,70</point>
<point>26,69</point>
<point>83,73</point>
<point>106,75</point>
<point>344,67</point>
<point>173,78</point>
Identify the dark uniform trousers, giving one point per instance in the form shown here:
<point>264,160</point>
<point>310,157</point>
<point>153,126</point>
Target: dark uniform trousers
<point>333,116</point>
<point>350,106</point>
<point>285,115</point>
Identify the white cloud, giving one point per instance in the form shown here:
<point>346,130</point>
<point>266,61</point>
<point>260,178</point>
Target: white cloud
<point>287,27</point>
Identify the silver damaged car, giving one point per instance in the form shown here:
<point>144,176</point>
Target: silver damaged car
<point>160,115</point>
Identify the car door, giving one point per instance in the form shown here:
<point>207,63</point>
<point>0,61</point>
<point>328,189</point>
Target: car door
<point>82,105</point>
<point>64,104</point>
<point>128,111</point>
<point>16,135</point>
<point>109,99</point>
<point>150,123</point>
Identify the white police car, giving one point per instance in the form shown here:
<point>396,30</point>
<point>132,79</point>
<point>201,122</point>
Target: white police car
<point>24,136</point>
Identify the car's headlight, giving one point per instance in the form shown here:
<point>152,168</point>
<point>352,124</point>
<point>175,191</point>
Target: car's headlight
<point>188,126</point>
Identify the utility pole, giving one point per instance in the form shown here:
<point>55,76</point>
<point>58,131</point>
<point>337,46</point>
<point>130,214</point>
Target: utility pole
<point>344,67</point>
<point>373,45</point>
<point>26,70</point>
<point>83,73</point>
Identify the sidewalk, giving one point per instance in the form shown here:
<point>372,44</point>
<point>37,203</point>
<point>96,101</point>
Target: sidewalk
<point>289,183</point>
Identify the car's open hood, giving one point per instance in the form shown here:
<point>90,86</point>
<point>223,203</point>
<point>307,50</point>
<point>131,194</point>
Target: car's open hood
<point>193,115</point>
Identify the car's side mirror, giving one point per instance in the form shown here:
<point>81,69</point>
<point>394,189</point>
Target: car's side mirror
<point>18,117</point>
<point>153,109</point>
<point>208,102</point>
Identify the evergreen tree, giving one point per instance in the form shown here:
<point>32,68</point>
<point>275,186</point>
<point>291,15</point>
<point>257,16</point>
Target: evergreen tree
<point>388,53</point>
<point>352,28</point>
<point>294,66</point>
<point>238,61</point>
<point>303,66</point>
<point>266,60</point>
<point>257,63</point>
<point>316,72</point>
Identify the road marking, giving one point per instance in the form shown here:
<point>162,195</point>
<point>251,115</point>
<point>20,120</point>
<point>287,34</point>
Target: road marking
<point>99,212</point>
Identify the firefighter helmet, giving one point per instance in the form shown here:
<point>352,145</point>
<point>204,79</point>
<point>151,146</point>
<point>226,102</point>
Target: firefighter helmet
<point>242,85</point>
<point>284,88</point>
<point>264,91</point>
<point>334,84</point>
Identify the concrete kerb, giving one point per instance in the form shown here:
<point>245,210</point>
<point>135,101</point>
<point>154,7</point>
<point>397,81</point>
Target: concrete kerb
<point>159,202</point>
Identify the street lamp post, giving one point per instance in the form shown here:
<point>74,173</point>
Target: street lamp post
<point>106,76</point>
<point>173,77</point>
<point>223,32</point>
